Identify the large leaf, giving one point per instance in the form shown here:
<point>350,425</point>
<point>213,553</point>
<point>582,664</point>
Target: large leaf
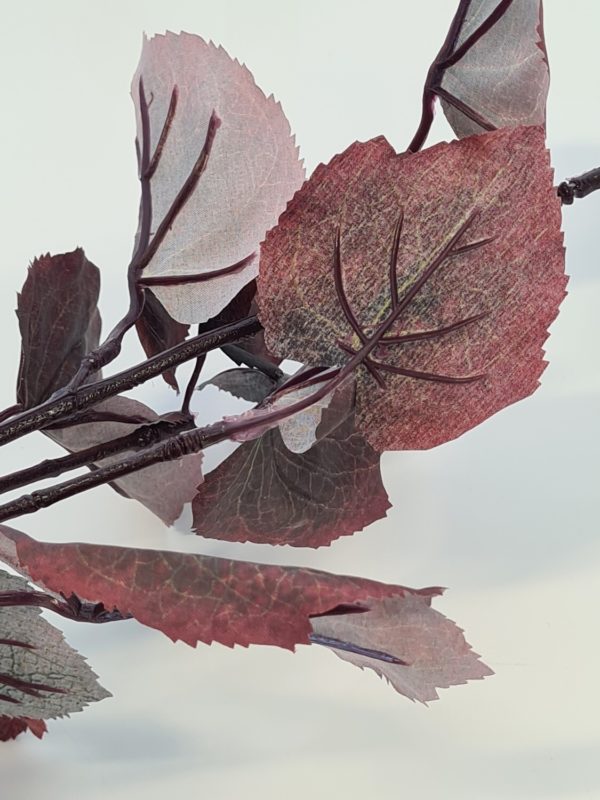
<point>218,165</point>
<point>41,677</point>
<point>434,276</point>
<point>59,322</point>
<point>200,598</point>
<point>498,79</point>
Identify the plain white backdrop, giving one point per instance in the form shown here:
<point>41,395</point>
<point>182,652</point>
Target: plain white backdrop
<point>506,517</point>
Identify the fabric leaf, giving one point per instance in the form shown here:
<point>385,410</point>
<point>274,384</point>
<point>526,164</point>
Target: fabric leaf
<point>158,331</point>
<point>266,494</point>
<point>162,488</point>
<point>41,677</point>
<point>202,598</point>
<point>431,649</point>
<point>502,79</point>
<point>218,165</point>
<point>433,276</point>
<point>59,322</point>
<point>11,727</point>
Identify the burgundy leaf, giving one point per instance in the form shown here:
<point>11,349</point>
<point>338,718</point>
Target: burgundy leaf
<point>162,488</point>
<point>431,650</point>
<point>264,493</point>
<point>220,164</point>
<point>11,727</point>
<point>200,598</point>
<point>41,677</point>
<point>502,78</point>
<point>158,331</point>
<point>59,322</point>
<point>433,276</point>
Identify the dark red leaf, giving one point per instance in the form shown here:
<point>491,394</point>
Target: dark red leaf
<point>442,269</point>
<point>265,493</point>
<point>59,322</point>
<point>158,331</point>
<point>11,727</point>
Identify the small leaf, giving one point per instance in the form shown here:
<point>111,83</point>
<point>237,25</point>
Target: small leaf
<point>431,649</point>
<point>264,493</point>
<point>41,677</point>
<point>502,78</point>
<point>201,598</point>
<point>247,384</point>
<point>11,727</point>
<point>158,331</point>
<point>58,321</point>
<point>218,165</point>
<point>434,276</point>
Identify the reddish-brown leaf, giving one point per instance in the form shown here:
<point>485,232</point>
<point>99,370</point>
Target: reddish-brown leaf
<point>58,320</point>
<point>11,727</point>
<point>444,269</point>
<point>158,331</point>
<point>265,493</point>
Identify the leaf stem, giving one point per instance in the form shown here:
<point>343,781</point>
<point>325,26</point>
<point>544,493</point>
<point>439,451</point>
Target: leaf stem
<point>580,186</point>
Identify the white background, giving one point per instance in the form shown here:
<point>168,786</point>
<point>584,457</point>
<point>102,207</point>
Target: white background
<point>506,517</point>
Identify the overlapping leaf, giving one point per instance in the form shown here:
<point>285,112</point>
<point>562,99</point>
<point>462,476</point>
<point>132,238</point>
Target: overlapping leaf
<point>158,331</point>
<point>11,727</point>
<point>218,165</point>
<point>436,274</point>
<point>205,599</point>
<point>60,323</point>
<point>41,677</point>
<point>498,79</point>
<point>58,320</point>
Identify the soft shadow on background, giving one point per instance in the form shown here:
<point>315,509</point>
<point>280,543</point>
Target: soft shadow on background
<point>506,517</point>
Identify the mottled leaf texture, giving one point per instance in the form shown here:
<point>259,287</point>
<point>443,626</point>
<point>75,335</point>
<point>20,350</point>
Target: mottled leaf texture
<point>206,117</point>
<point>11,727</point>
<point>158,331</point>
<point>502,78</point>
<point>265,493</point>
<point>41,677</point>
<point>205,599</point>
<point>58,320</point>
<point>436,274</point>
<point>162,488</point>
<point>431,649</point>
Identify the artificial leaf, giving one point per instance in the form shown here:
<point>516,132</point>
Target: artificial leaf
<point>163,488</point>
<point>202,598</point>
<point>434,277</point>
<point>41,677</point>
<point>158,331</point>
<point>246,384</point>
<point>497,76</point>
<point>11,727</point>
<point>218,165</point>
<point>430,651</point>
<point>59,322</point>
<point>266,494</point>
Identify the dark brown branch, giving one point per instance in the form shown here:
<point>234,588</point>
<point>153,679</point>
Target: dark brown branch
<point>11,411</point>
<point>240,355</point>
<point>192,383</point>
<point>142,437</point>
<point>56,409</point>
<point>69,607</point>
<point>580,186</point>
